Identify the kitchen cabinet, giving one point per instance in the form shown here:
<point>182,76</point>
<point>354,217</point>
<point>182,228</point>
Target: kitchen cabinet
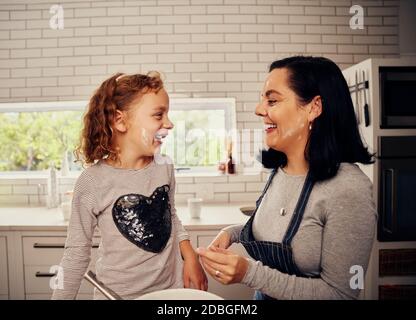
<point>230,292</point>
<point>42,252</point>
<point>32,244</point>
<point>29,261</point>
<point>386,135</point>
<point>41,258</point>
<point>4,278</point>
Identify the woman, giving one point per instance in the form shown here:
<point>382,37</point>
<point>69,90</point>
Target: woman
<point>315,220</point>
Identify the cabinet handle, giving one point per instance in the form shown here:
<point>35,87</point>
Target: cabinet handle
<point>389,201</point>
<point>53,246</point>
<point>48,245</point>
<point>44,274</point>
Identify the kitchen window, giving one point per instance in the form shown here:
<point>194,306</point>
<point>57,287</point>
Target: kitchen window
<point>35,134</point>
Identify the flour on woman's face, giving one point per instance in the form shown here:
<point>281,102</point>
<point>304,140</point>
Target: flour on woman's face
<point>297,129</point>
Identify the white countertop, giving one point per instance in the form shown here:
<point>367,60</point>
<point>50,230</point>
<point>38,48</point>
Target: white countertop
<point>213,216</point>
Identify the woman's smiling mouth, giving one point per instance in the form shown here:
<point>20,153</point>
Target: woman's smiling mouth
<point>269,127</point>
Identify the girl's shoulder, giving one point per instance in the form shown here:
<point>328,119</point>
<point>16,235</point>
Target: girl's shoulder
<point>86,182</point>
<point>95,175</point>
<point>102,175</point>
<point>101,168</point>
<point>92,171</point>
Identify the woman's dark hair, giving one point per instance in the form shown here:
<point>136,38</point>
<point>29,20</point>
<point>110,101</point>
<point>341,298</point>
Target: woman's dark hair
<point>334,137</point>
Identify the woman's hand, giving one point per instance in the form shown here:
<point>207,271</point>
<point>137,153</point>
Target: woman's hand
<point>193,273</point>
<point>222,240</point>
<point>223,265</point>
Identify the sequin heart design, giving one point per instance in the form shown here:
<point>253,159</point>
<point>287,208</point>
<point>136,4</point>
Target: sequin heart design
<point>145,221</point>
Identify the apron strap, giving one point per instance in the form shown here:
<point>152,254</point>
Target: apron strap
<point>246,233</point>
<point>278,255</point>
<point>269,181</point>
<point>299,210</point>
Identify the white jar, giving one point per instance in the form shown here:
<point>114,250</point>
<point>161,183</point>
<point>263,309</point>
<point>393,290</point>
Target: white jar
<point>194,206</point>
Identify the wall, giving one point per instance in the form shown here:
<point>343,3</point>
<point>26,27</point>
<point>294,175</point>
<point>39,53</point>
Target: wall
<point>407,27</point>
<point>206,48</point>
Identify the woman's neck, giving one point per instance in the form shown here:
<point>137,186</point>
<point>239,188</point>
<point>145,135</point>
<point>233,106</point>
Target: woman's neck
<point>296,164</point>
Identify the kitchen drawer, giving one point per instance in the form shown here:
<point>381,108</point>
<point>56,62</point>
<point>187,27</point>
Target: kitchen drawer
<point>47,250</point>
<point>203,239</point>
<point>397,292</point>
<point>397,262</point>
<point>37,279</point>
<point>4,282</point>
<point>232,291</point>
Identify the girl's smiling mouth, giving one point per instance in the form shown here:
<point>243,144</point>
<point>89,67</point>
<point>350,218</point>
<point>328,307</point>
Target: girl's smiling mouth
<point>161,134</point>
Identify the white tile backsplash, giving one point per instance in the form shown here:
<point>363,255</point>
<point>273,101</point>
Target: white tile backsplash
<point>225,188</point>
<point>248,197</point>
<point>14,200</point>
<point>4,190</point>
<point>206,48</point>
<point>229,187</point>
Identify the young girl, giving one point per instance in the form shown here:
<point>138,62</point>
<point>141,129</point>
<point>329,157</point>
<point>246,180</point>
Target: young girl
<point>128,195</point>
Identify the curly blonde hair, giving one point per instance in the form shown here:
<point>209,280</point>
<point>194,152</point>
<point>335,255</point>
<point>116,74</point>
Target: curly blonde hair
<point>115,93</point>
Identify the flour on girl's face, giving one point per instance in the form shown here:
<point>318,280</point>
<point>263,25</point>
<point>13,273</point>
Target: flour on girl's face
<point>146,138</point>
<point>161,134</point>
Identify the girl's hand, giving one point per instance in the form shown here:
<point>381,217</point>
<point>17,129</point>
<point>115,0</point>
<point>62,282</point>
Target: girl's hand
<point>194,273</point>
<point>223,265</point>
<point>222,240</point>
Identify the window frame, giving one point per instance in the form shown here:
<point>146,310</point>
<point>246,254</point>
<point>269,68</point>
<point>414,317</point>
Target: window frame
<point>228,105</point>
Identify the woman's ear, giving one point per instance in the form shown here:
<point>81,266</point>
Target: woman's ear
<point>120,123</point>
<point>316,108</point>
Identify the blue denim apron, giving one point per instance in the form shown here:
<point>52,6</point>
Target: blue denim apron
<point>277,255</point>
